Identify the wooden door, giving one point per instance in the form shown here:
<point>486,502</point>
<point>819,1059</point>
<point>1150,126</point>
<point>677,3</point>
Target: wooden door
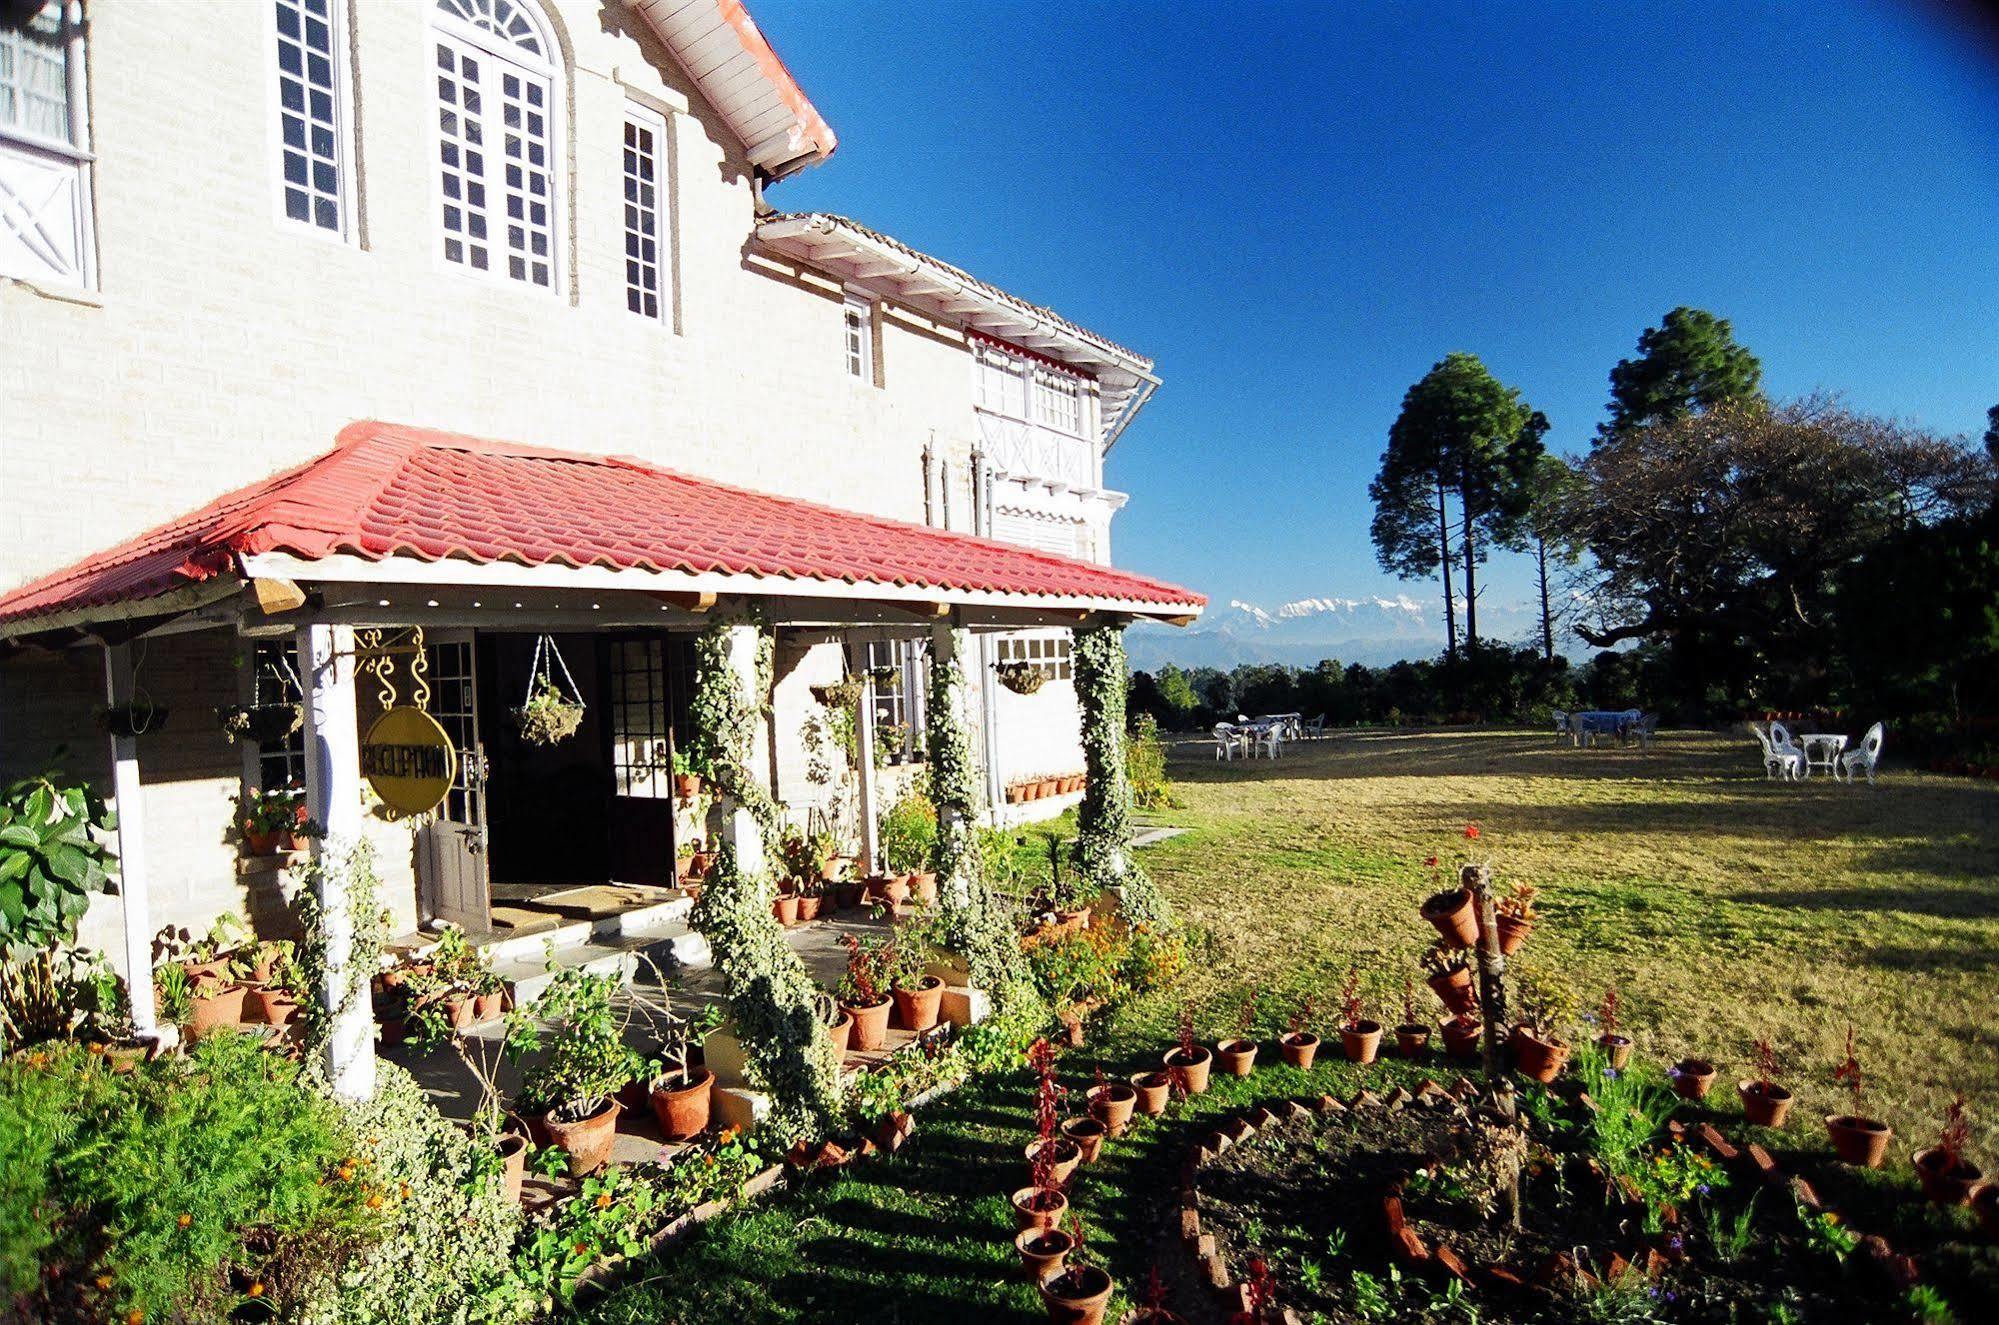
<point>451,849</point>
<point>636,688</point>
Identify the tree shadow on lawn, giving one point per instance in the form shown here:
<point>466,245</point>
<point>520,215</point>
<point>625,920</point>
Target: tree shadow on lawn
<point>1967,900</point>
<point>1699,756</point>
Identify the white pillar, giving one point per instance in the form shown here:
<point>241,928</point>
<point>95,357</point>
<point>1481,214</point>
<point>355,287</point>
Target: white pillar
<point>864,756</point>
<point>129,797</point>
<point>944,651</point>
<point>333,798</point>
<point>738,827</point>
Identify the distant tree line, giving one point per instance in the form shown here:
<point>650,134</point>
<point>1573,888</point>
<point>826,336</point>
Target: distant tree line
<point>1740,553</point>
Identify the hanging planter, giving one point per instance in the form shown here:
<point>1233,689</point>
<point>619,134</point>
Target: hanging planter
<point>1021,677</point>
<point>262,724</point>
<point>133,719</point>
<point>550,715</point>
<point>841,694</point>
<point>888,680</point>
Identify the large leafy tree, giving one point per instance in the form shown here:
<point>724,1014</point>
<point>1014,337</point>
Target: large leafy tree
<point>1921,620</point>
<point>1544,536</point>
<point>1464,438</point>
<point>1718,534</point>
<point>1688,363</point>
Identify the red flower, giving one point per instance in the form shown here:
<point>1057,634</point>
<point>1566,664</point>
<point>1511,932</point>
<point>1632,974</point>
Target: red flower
<point>1471,832</point>
<point>1431,862</point>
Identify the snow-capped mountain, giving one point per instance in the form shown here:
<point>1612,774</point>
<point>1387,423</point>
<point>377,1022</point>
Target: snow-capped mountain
<point>1373,630</point>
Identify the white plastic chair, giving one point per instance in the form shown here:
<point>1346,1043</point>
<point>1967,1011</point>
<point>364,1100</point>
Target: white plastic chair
<point>1787,760</point>
<point>1780,737</point>
<point>1267,738</point>
<point>1562,727</point>
<point>1642,730</point>
<point>1866,756</point>
<point>1227,741</point>
<point>1316,728</point>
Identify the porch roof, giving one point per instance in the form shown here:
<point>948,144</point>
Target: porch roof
<point>391,501</point>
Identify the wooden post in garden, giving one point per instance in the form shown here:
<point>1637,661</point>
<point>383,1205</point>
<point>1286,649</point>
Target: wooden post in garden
<point>1492,1010</point>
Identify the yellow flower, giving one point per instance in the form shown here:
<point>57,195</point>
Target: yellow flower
<point>104,1281</point>
<point>184,1220</point>
<point>257,1288</point>
<point>604,1201</point>
<point>1831,1218</point>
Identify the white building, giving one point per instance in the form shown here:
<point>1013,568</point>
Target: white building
<point>401,277</point>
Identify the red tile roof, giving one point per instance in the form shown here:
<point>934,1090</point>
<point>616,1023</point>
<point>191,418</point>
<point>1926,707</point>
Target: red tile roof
<point>389,490</point>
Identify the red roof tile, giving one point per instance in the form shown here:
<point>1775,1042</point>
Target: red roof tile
<point>388,490</point>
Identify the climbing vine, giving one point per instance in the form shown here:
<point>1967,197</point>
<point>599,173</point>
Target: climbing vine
<point>1103,833</point>
<point>776,1007</point>
<point>348,872</point>
<point>976,925</point>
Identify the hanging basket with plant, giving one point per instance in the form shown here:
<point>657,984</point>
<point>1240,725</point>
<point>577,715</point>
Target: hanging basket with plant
<point>262,724</point>
<point>131,719</point>
<point>1023,678</point>
<point>841,694</point>
<point>551,713</point>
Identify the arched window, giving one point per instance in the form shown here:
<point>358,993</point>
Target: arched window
<point>496,144</point>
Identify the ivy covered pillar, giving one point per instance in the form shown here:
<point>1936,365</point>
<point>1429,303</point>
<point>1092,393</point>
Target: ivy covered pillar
<point>1103,823</point>
<point>977,923</point>
<point>772,1000</point>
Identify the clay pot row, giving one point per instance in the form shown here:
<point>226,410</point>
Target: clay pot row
<point>219,1003</point>
<point>865,1029</point>
<point>1034,789</point>
<point>1076,1294</point>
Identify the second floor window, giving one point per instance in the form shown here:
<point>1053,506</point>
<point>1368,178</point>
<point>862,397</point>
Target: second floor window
<point>312,154</point>
<point>44,150</point>
<point>1058,401</point>
<point>858,332</point>
<point>643,232</point>
<point>495,72</point>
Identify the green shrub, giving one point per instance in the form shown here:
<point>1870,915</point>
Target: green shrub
<point>908,830</point>
<point>445,1247</point>
<point>181,1190</point>
<point>1145,765</point>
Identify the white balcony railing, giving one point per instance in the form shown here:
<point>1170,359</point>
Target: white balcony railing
<point>1019,449</point>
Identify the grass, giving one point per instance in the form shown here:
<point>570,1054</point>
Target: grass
<point>1725,909</point>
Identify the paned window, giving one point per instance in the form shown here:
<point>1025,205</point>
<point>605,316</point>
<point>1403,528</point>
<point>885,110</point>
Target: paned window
<point>899,718</point>
<point>644,234</point>
<point>858,338</point>
<point>274,680</point>
<point>44,151</point>
<point>641,762</point>
<point>312,152</point>
<point>496,139</point>
<point>1058,401</point>
<point>1052,653</point>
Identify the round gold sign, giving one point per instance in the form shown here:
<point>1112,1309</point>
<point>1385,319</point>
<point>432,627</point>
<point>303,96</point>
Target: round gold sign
<point>409,760</point>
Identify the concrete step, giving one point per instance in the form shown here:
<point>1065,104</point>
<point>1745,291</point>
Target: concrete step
<point>639,921</point>
<point>671,947</point>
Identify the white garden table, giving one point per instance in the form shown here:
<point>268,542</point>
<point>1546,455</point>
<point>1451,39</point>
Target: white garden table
<point>1822,750</point>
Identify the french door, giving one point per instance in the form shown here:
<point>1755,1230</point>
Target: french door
<point>638,687</point>
<point>451,849</point>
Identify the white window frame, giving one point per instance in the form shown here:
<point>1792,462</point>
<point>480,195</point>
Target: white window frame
<point>857,352</point>
<point>651,121</point>
<point>1056,654</point>
<point>1048,386</point>
<point>466,38</point>
<point>347,232</point>
<point>73,153</point>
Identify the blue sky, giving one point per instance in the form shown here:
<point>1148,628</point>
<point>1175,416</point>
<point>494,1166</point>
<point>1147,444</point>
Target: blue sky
<point>1298,209</point>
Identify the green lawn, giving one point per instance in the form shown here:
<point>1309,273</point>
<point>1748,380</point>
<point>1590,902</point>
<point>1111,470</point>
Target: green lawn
<point>1724,907</point>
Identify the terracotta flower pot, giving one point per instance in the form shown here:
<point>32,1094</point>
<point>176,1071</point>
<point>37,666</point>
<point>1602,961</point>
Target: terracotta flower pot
<point>1454,916</point>
<point>1764,1105</point>
<point>1461,1038</point>
<point>513,1152</point>
<point>1538,1059</point>
<point>1361,1040</point>
<point>1298,1049</point>
<point>870,1024</point>
<point>848,892</point>
<point>809,906</point>
<point>923,888</point>
<point>1064,1156</point>
<point>1616,1050</point>
<point>457,1009</point>
<point>1088,1134</point>
<point>1111,1104</point>
<point>917,1008</point>
<point>1454,990</point>
<point>892,892</point>
<point>1016,794</point>
<point>264,1006</point>
<point>785,908</point>
<point>485,1007</point>
<point>1692,1078</point>
<point>1190,1069</point>
<point>1042,1251</point>
<point>1047,788</point>
<point>686,786</point>
<point>1411,1040</point>
<point>215,1006</point>
<point>1944,1181</point>
<point>1513,932</point>
<point>1154,1090</point>
<point>1238,1057</point>
<point>1077,1296</point>
<point>1038,1207</point>
<point>1073,922</point>
<point>587,1141</point>
<point>840,1033</point>
<point>683,1111</point>
<point>1859,1141</point>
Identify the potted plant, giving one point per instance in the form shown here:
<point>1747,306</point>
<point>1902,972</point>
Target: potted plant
<point>1111,1103</point>
<point>1856,1138</point>
<point>1050,1148</point>
<point>863,992</point>
<point>1985,1204</point>
<point>1449,977</point>
<point>811,895</point>
<point>1016,793</point>
<point>1616,1046</point>
<point>1516,915</point>
<point>173,995</point>
<point>549,717</point>
<point>1077,1293</point>
<point>1691,1078</point>
<point>273,998</point>
<point>686,777</point>
<point>1452,911</point>
<point>1042,1251</point>
<point>215,953</point>
<point>1413,1035</point>
<point>260,724</point>
<point>1154,1091</point>
<point>505,1149</point>
<point>1461,1037</point>
<point>917,994</point>
<point>1188,1061</point>
<point>1151,1309</point>
<point>1238,1053</point>
<point>1087,1134</point>
<point>681,1090</point>
<point>1040,1204</point>
<point>1546,1005</point>
<point>1065,888</point>
<point>1298,1046</point>
<point>889,890</point>
<point>214,1002</point>
<point>1360,1036</point>
<point>134,718</point>
<point>1023,678</point>
<point>844,693</point>
<point>569,1090</point>
<point>1947,1177</point>
<point>1764,1102</point>
<point>785,907</point>
<point>270,821</point>
<point>839,1023</point>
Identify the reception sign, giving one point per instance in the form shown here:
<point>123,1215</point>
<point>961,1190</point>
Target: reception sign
<point>409,760</point>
